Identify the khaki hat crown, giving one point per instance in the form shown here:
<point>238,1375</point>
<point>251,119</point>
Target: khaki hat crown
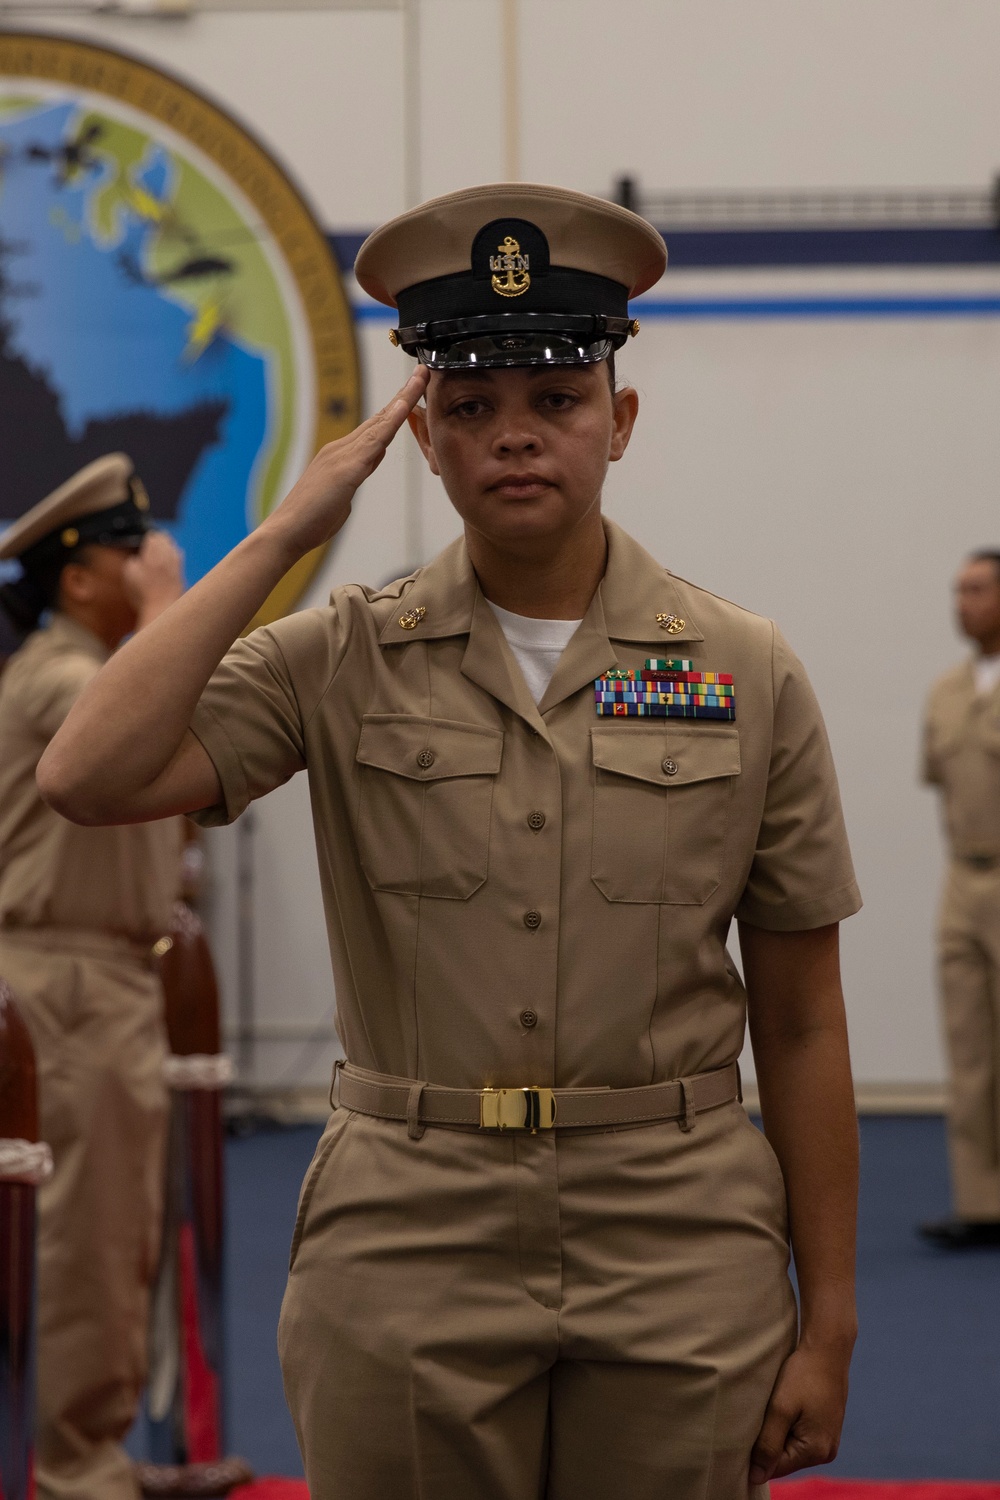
<point>511,273</point>
<point>584,233</point>
<point>97,487</point>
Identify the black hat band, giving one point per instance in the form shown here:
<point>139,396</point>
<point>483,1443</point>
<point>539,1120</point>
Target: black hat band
<point>467,296</point>
<point>122,525</point>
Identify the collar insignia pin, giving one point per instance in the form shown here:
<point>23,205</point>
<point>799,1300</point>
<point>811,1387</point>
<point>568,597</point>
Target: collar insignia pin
<point>510,269</point>
<point>412,618</point>
<point>672,624</point>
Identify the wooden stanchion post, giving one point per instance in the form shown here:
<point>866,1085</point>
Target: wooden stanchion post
<point>186,1398</point>
<point>24,1163</point>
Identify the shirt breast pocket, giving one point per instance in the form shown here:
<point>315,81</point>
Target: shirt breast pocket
<point>662,810</point>
<point>425,804</point>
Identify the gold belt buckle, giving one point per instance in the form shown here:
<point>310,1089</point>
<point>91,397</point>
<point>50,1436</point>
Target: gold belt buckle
<point>517,1109</point>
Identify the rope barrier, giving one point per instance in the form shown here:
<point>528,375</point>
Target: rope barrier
<point>25,1161</point>
<point>198,1071</point>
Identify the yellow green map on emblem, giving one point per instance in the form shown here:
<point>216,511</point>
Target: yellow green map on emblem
<point>164,290</point>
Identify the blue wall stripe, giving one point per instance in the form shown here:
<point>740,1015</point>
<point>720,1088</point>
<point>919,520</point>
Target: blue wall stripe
<point>374,312</point>
<point>718,248</point>
<point>819,307</point>
<point>778,307</point>
<point>915,246</point>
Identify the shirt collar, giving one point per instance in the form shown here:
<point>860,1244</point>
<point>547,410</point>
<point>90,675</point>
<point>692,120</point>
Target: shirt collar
<point>64,631</point>
<point>636,601</point>
<point>637,598</point>
<point>640,598</point>
<point>445,590</point>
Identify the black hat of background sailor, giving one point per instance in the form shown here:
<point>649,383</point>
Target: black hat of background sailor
<point>511,274</point>
<point>104,503</point>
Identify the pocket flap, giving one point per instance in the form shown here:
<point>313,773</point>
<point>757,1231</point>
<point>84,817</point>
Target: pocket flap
<point>429,749</point>
<point>673,755</point>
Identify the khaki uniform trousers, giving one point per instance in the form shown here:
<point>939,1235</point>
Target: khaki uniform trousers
<point>560,1315</point>
<point>94,1009</point>
<point>969,967</point>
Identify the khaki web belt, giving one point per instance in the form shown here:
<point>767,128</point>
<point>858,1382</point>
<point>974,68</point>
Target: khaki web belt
<point>530,1108</point>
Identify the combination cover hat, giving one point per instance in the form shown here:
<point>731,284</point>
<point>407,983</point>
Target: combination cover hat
<point>103,503</point>
<point>511,273</point>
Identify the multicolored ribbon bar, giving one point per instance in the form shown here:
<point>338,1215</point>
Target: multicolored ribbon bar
<point>709,700</point>
<point>667,685</point>
<point>711,677</point>
<point>620,710</point>
<point>665,688</point>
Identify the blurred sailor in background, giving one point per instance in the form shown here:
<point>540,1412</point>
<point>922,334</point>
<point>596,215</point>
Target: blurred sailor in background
<point>80,909</point>
<point>962,759</point>
<point>542,1249</point>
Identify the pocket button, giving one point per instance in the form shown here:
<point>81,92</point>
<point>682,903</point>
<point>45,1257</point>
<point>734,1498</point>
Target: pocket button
<point>536,820</point>
<point>425,759</point>
<point>532,919</point>
<point>529,1019</point>
<point>669,767</point>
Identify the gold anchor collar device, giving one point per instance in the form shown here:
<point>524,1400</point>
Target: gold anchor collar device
<point>672,624</point>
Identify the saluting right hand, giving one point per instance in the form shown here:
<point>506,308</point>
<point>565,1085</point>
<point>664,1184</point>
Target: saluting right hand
<point>154,576</point>
<point>317,506</point>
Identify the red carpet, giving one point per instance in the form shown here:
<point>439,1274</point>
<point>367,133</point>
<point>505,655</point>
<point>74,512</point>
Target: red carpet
<point>786,1489</point>
<point>272,1489</point>
<point>872,1489</point>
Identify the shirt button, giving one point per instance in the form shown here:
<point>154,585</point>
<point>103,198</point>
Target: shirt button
<point>529,1019</point>
<point>532,919</point>
<point>669,767</point>
<point>425,759</point>
<point>536,820</point>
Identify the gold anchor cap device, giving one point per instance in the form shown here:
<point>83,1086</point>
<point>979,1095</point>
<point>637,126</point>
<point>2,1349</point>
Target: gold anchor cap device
<point>511,274</point>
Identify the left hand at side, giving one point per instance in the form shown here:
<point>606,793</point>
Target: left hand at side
<point>804,1415</point>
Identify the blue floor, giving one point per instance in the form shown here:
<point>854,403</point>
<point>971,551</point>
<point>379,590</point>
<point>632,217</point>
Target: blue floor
<point>925,1393</point>
<point>925,1388</point>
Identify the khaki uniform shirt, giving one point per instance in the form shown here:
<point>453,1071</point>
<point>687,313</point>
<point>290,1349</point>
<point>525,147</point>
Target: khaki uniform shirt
<point>962,757</point>
<point>53,873</point>
<point>533,895</point>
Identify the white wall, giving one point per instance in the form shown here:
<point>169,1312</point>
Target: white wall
<point>829,473</point>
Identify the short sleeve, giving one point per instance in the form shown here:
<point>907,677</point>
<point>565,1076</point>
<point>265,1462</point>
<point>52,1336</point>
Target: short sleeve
<point>252,716</point>
<point>801,876</point>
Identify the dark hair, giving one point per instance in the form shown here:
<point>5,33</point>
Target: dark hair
<point>27,598</point>
<point>987,556</point>
<point>612,374</point>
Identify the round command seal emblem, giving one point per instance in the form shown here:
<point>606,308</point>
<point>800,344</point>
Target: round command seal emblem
<point>164,290</point>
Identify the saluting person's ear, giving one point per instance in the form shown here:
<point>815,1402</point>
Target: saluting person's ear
<point>76,583</point>
<point>625,410</point>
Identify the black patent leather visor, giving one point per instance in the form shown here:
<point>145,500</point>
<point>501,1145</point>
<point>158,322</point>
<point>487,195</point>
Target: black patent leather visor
<point>500,341</point>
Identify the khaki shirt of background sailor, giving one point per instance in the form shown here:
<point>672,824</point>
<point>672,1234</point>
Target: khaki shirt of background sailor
<point>52,873</point>
<point>962,757</point>
<point>532,895</point>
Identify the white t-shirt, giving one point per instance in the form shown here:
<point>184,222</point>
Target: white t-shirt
<point>537,645</point>
<point>987,670</point>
